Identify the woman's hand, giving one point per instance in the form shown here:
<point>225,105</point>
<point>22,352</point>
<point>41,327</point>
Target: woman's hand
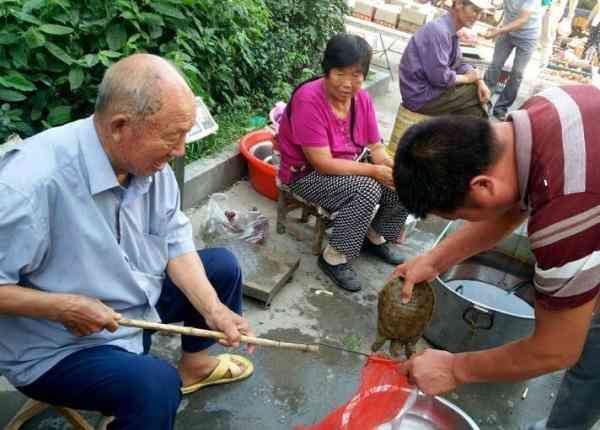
<point>380,156</point>
<point>383,175</point>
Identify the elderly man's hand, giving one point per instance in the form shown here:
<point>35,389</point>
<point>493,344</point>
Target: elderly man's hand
<point>83,315</point>
<point>233,325</point>
<point>432,371</point>
<point>483,92</point>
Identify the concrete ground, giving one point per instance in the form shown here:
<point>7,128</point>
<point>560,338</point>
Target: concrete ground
<point>292,388</point>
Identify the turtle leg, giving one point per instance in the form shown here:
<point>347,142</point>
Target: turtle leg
<point>379,341</point>
<point>409,349</point>
<point>395,348</point>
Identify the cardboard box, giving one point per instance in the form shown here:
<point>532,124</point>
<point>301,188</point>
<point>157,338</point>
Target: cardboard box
<point>413,16</point>
<point>365,9</point>
<point>387,15</point>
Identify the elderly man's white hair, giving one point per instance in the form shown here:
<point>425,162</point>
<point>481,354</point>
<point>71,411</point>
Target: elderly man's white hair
<point>134,84</point>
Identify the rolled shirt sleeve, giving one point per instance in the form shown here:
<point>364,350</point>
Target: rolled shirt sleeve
<point>23,235</point>
<point>463,68</point>
<point>435,53</point>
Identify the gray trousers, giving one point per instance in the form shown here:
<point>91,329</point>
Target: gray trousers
<point>504,46</point>
<point>577,405</point>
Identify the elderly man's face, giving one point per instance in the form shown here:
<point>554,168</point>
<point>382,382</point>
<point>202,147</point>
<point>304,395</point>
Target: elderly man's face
<point>468,13</point>
<point>148,145</point>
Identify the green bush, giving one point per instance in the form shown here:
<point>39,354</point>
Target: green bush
<point>238,54</point>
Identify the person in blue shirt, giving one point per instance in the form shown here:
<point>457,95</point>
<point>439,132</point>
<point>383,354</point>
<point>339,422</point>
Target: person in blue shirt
<point>518,32</point>
<point>91,232</point>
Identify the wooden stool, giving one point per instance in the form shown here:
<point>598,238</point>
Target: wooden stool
<point>288,201</point>
<point>404,119</point>
<point>32,407</point>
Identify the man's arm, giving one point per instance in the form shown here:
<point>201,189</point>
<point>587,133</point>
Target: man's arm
<point>471,239</point>
<point>511,26</point>
<point>556,344</point>
<point>188,274</point>
<point>435,55</point>
<point>81,315</point>
<point>475,237</point>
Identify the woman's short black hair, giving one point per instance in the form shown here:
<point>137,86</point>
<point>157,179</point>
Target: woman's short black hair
<point>436,159</point>
<point>342,50</point>
<point>345,50</point>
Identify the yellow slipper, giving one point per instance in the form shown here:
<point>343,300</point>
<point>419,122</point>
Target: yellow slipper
<point>220,373</point>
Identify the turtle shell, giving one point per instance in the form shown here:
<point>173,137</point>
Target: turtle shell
<point>404,322</point>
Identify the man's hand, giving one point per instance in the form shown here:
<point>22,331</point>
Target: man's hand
<point>483,92</point>
<point>383,175</point>
<point>83,315</point>
<point>233,325</point>
<point>473,75</point>
<point>492,33</point>
<point>418,269</point>
<point>431,371</point>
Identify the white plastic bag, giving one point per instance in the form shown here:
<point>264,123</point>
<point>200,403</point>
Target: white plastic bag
<point>223,224</point>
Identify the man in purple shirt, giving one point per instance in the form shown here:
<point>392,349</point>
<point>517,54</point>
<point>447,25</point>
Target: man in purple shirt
<point>433,79</point>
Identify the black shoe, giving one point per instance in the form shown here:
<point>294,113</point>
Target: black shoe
<point>386,251</point>
<point>342,275</point>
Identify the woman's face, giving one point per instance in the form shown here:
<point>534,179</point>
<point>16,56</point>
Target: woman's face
<point>344,82</point>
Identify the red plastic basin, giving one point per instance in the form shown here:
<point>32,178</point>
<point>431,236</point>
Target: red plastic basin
<point>262,174</point>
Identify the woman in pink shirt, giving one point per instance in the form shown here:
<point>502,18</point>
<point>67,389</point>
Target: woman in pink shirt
<point>327,126</point>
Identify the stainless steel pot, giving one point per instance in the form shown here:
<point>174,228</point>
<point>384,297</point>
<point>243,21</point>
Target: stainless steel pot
<point>432,413</point>
<point>482,303</point>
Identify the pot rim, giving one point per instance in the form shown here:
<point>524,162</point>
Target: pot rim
<point>482,305</point>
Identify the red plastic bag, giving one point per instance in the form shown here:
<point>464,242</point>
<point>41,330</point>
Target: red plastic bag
<point>382,393</point>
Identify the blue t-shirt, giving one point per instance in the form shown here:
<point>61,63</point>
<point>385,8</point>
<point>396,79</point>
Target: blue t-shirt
<point>514,8</point>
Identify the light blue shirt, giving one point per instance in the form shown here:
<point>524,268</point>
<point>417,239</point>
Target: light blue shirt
<point>67,226</point>
<point>514,8</point>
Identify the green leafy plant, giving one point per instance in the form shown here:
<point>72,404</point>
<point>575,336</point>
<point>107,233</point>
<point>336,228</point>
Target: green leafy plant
<point>239,55</point>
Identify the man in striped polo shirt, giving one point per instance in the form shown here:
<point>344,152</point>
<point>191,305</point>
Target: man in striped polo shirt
<point>543,163</point>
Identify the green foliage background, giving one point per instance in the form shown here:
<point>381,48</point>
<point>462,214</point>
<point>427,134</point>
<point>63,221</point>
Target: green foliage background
<point>240,55</point>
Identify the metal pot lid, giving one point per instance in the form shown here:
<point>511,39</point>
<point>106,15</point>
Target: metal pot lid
<point>490,296</point>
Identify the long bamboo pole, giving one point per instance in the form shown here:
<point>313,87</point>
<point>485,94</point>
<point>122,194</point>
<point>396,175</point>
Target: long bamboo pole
<point>191,331</point>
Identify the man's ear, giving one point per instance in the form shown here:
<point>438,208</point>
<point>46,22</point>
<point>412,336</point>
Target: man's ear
<point>482,190</point>
<point>118,126</point>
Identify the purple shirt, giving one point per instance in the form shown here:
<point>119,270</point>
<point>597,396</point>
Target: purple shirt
<point>430,63</point>
<point>313,124</point>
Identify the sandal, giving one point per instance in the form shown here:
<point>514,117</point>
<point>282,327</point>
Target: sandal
<point>227,371</point>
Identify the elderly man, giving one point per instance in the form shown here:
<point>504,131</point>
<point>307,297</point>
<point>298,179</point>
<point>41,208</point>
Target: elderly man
<point>540,164</point>
<point>92,232</point>
<point>433,78</point>
<point>519,32</point>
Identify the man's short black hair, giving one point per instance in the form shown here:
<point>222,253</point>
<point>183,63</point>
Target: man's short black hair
<point>436,160</point>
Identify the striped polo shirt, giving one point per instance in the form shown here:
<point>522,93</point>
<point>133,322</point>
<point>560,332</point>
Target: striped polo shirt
<point>557,138</point>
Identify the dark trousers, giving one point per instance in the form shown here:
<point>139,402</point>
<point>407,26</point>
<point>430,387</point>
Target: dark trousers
<point>458,100</point>
<point>140,391</point>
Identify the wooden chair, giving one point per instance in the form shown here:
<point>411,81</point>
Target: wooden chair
<point>288,201</point>
<point>33,407</point>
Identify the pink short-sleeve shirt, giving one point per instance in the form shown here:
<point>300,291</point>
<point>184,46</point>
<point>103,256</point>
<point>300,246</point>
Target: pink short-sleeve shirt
<point>313,124</point>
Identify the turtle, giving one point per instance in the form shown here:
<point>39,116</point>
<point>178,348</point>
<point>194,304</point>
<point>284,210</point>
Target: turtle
<point>403,324</point>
